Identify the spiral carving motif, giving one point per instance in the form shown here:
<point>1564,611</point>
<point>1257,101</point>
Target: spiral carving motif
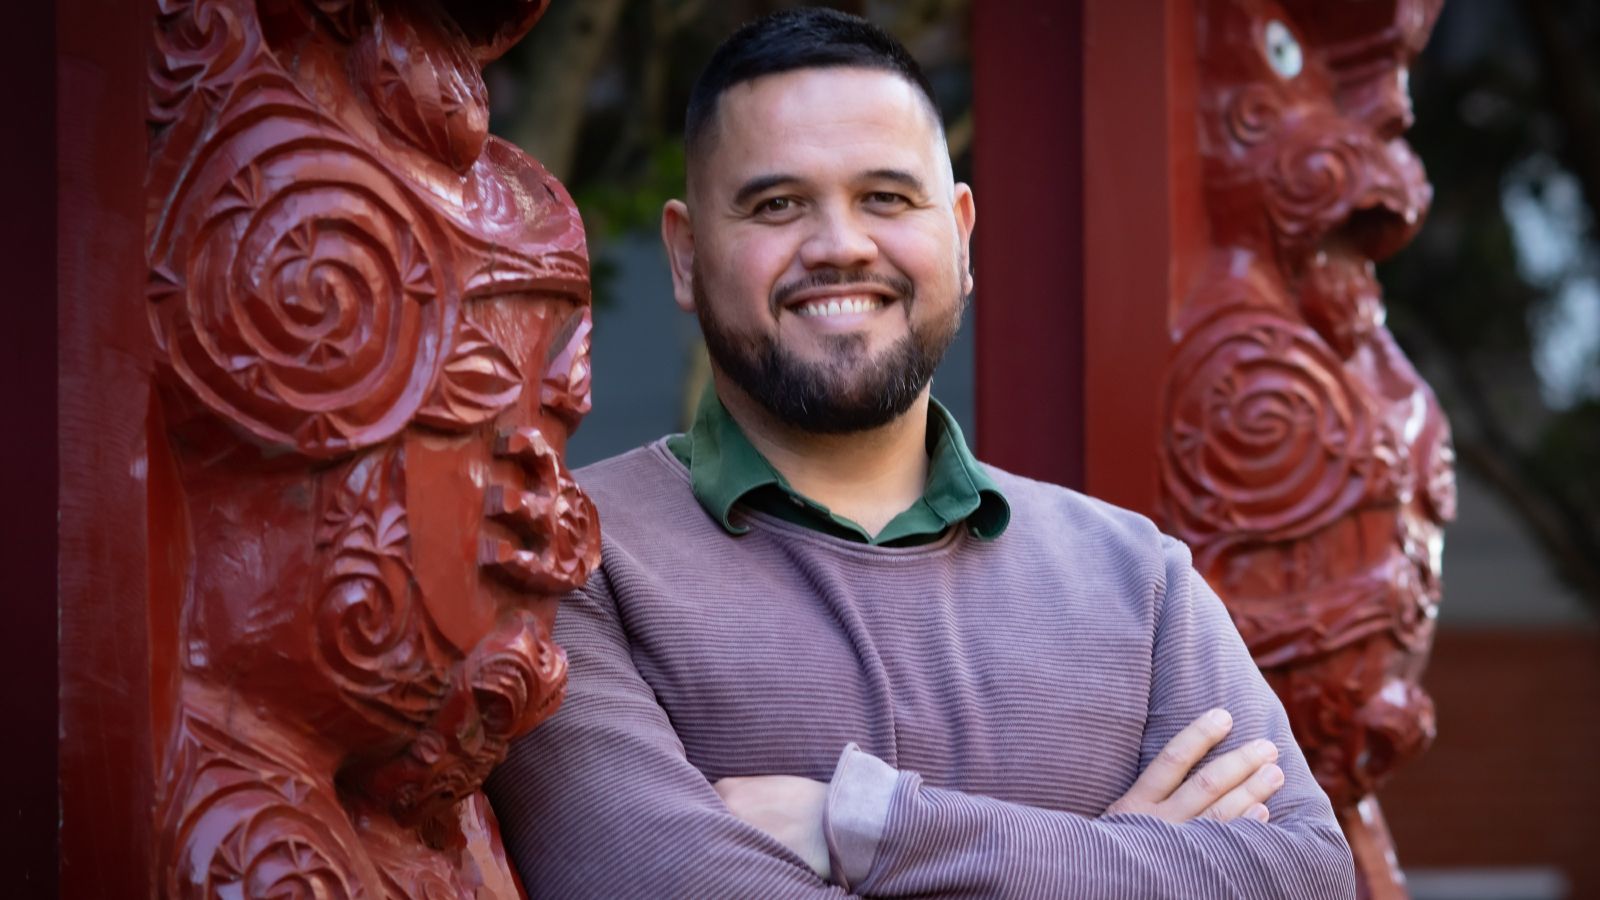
<point>198,42</point>
<point>1304,459</point>
<point>275,853</point>
<point>371,636</point>
<point>518,678</point>
<point>324,312</point>
<point>1266,431</point>
<point>512,681</point>
<point>243,823</point>
<point>323,203</point>
<point>1254,114</point>
<point>1309,186</point>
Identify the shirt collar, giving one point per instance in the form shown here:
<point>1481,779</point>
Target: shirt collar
<point>724,468</point>
<point>723,464</point>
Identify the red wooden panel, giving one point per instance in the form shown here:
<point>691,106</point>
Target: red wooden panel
<point>105,751</point>
<point>1141,179</point>
<point>1028,176</point>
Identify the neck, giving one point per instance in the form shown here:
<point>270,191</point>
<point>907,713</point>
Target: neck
<point>869,477</point>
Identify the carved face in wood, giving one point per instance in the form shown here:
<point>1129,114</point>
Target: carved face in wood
<point>1307,463</point>
<point>372,328</point>
<point>1304,108</point>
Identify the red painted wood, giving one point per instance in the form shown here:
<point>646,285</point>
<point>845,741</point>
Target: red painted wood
<point>370,329</point>
<point>1029,181</point>
<point>106,752</point>
<point>1244,167</point>
<point>1141,182</point>
<point>321,342</point>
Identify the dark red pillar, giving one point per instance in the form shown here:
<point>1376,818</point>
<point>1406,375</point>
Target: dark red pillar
<point>1028,163</point>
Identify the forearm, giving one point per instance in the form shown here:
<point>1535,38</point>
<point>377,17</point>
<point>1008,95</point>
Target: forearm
<point>944,841</point>
<point>637,831</point>
<point>948,843</point>
<point>601,802</point>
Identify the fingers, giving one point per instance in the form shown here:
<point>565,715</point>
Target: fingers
<point>1167,771</point>
<point>1234,770</point>
<point>1248,799</point>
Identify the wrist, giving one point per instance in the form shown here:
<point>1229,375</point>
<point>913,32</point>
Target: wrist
<point>855,813</point>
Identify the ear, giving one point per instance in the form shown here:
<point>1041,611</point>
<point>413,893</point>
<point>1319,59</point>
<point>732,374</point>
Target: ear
<point>677,234</point>
<point>966,213</point>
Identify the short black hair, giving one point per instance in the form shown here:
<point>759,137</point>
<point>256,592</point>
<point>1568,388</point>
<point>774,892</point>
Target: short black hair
<point>803,38</point>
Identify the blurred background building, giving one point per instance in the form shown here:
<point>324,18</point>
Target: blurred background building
<point>1497,301</point>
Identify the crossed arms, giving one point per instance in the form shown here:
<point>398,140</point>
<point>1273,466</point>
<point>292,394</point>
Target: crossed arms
<point>602,801</point>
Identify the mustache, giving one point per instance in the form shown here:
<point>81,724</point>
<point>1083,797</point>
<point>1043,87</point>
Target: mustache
<point>901,287</point>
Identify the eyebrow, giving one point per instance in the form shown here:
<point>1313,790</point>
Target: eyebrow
<point>900,177</point>
<point>763,183</point>
<point>759,185</point>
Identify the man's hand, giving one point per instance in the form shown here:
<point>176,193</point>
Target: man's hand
<point>1234,784</point>
<point>785,806</point>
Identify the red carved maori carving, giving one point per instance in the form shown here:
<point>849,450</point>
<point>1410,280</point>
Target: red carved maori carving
<point>1305,461</point>
<point>371,326</point>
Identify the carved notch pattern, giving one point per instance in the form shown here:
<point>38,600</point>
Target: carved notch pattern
<point>351,284</point>
<point>1304,459</point>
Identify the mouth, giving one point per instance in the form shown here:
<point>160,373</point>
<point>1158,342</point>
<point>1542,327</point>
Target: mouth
<point>1376,229</point>
<point>840,306</point>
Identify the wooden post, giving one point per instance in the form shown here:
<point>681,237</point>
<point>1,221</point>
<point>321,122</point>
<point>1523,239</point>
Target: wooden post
<point>1242,166</point>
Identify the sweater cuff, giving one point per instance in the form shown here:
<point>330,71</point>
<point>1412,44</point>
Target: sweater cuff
<point>855,813</point>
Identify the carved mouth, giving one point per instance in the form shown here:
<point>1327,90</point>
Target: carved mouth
<point>537,536</point>
<point>1376,229</point>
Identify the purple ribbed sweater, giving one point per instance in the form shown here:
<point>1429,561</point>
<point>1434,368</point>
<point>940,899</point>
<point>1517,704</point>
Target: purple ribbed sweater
<point>1018,685</point>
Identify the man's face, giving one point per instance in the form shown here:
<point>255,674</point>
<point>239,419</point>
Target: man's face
<point>827,251</point>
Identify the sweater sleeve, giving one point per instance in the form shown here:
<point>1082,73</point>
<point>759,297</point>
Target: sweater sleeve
<point>600,800</point>
<point>947,843</point>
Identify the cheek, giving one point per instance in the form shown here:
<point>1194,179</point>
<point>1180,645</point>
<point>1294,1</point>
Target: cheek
<point>931,257</point>
<point>752,265</point>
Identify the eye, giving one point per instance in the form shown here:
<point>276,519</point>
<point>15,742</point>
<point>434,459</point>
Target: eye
<point>887,198</point>
<point>1283,51</point>
<point>774,205</point>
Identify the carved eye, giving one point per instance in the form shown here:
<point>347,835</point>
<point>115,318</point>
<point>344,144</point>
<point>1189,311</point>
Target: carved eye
<point>1283,51</point>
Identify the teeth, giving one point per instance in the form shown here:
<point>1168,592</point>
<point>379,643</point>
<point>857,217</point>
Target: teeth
<point>846,306</point>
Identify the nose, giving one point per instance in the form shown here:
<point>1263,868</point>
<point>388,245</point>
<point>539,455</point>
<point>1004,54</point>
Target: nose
<point>1382,102</point>
<point>839,240</point>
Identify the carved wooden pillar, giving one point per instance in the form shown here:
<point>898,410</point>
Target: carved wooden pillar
<point>370,323</point>
<point>1242,166</point>
<point>1304,460</point>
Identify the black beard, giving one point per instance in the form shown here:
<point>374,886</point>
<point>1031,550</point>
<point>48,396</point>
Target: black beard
<point>847,394</point>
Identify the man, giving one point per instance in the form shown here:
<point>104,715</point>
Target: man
<point>826,650</point>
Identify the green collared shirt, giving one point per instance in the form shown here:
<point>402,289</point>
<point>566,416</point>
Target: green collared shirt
<point>726,469</point>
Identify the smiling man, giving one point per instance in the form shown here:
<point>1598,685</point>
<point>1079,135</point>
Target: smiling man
<point>828,651</point>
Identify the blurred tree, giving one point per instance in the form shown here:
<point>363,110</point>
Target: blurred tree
<point>1499,299</point>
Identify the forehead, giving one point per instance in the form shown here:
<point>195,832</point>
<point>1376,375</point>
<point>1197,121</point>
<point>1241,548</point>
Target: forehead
<point>819,121</point>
